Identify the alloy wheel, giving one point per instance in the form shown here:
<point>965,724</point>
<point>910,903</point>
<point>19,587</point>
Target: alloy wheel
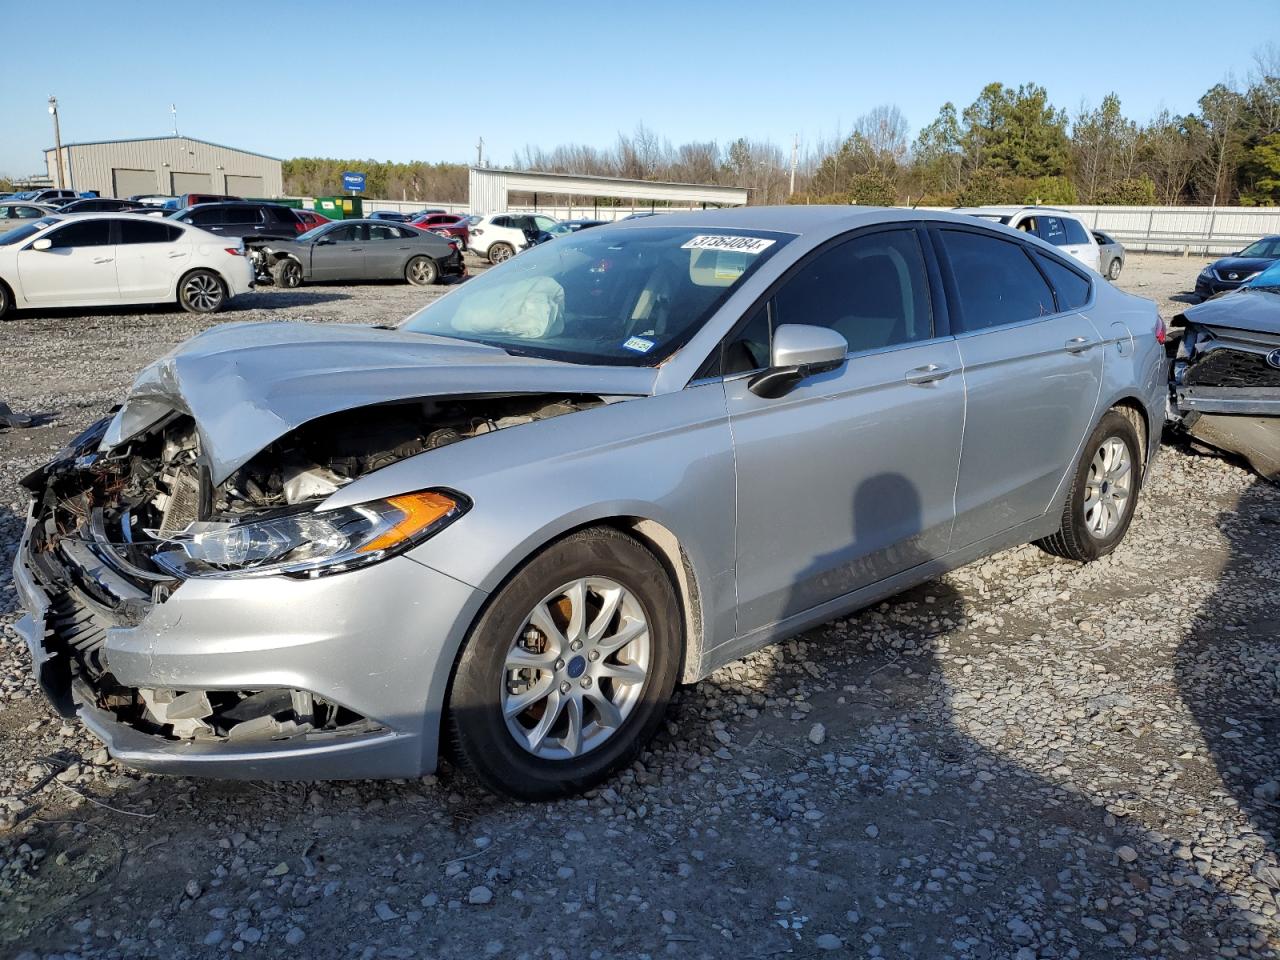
<point>421,272</point>
<point>1107,488</point>
<point>576,669</point>
<point>203,292</point>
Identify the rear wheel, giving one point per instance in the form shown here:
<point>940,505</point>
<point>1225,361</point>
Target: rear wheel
<point>287,273</point>
<point>501,251</point>
<point>1113,269</point>
<point>569,671</point>
<point>1104,492</point>
<point>201,291</point>
<point>421,271</point>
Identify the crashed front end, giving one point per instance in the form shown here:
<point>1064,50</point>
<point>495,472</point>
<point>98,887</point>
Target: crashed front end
<point>239,629</point>
<point>1226,388</point>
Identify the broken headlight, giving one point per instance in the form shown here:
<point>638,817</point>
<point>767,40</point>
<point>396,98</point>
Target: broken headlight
<point>312,543</point>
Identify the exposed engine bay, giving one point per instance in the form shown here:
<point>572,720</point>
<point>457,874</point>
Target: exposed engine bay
<point>108,525</point>
<point>1225,388</point>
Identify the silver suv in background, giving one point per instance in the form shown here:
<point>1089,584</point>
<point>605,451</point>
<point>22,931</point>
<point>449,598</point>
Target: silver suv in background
<point>509,527</point>
<point>1052,225</point>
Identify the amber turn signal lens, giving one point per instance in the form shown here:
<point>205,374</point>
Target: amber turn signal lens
<point>418,512</point>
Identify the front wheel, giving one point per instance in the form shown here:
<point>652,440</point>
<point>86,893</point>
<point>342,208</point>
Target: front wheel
<point>569,671</point>
<point>1104,492</point>
<point>287,273</point>
<point>201,291</point>
<point>421,271</point>
<point>6,302</point>
<point>1113,270</point>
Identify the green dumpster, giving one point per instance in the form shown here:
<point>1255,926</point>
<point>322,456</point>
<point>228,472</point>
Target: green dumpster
<point>339,208</point>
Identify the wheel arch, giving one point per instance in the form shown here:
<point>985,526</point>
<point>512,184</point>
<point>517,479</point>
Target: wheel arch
<point>182,278</point>
<point>654,536</point>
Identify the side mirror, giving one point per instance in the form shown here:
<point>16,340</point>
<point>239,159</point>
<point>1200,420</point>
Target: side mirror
<point>323,240</point>
<point>44,243</point>
<point>799,350</point>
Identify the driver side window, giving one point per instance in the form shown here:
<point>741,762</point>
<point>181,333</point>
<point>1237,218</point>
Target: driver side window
<point>872,290</point>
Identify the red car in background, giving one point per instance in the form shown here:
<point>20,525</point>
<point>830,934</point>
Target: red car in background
<point>310,219</point>
<point>449,224</point>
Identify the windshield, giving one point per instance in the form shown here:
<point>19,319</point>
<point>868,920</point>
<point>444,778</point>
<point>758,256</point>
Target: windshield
<point>18,234</point>
<point>309,235</point>
<point>609,296</point>
<point>1266,247</point>
<point>1268,279</point>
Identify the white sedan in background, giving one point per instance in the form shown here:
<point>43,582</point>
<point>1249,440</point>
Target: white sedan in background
<point>98,260</point>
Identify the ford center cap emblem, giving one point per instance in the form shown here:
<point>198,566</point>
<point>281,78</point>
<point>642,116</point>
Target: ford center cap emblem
<point>1273,359</point>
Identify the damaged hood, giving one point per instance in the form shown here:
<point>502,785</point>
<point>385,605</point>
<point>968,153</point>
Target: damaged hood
<point>1255,310</point>
<point>248,384</point>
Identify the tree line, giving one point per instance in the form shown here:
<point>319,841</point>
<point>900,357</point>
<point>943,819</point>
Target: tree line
<point>1010,145</point>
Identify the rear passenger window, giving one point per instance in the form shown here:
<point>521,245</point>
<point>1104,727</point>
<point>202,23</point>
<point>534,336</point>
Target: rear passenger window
<point>132,231</point>
<point>1051,230</point>
<point>241,216</point>
<point>871,290</point>
<point>997,283</point>
<point>1075,231</point>
<point>1072,289</point>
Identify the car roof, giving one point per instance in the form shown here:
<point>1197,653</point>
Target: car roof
<point>816,219</point>
<point>1008,211</point>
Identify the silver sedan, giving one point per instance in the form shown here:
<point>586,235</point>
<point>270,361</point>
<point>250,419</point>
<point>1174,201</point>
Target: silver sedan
<point>509,527</point>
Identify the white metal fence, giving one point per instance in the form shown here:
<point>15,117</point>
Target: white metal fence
<point>555,211</point>
<point>1184,230</point>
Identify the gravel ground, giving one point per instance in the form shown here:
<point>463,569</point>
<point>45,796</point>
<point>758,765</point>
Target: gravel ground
<point>1026,758</point>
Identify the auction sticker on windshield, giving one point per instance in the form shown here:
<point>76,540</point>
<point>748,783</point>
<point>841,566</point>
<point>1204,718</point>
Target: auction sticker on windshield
<point>737,244</point>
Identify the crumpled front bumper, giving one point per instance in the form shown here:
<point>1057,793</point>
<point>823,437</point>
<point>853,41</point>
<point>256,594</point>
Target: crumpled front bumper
<point>379,641</point>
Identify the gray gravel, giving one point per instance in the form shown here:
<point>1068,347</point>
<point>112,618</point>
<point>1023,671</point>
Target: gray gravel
<point>1026,758</point>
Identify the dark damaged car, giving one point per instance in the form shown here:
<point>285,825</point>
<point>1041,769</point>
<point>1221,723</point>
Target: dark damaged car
<point>1226,373</point>
<point>358,250</point>
<point>1233,272</point>
<point>621,460</point>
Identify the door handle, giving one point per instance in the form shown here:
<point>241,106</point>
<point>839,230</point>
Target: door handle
<point>929,373</point>
<point>175,256</point>
<point>1079,344</point>
<point>103,259</point>
<point>356,249</point>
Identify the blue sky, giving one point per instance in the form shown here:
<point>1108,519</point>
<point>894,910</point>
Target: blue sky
<point>402,81</point>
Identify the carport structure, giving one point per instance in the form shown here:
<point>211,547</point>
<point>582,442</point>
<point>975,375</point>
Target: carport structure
<point>490,188</point>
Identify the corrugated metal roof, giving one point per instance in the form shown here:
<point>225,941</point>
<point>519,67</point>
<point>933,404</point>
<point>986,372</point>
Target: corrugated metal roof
<point>208,143</point>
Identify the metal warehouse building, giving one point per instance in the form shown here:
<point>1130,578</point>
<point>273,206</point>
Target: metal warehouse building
<point>165,165</point>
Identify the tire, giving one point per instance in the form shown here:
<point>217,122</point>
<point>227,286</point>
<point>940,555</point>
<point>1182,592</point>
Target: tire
<point>421,271</point>
<point>508,755</point>
<point>1113,269</point>
<point>6,303</point>
<point>500,252</point>
<point>1088,534</point>
<point>201,291</point>
<point>287,273</point>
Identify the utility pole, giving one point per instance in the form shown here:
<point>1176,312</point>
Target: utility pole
<point>173,111</point>
<point>795,159</point>
<point>480,152</point>
<point>57,137</point>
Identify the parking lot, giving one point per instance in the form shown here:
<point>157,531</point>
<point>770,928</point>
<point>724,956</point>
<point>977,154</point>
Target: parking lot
<point>1026,758</point>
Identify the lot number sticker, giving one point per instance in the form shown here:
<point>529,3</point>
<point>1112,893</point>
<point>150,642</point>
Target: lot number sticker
<point>752,245</point>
